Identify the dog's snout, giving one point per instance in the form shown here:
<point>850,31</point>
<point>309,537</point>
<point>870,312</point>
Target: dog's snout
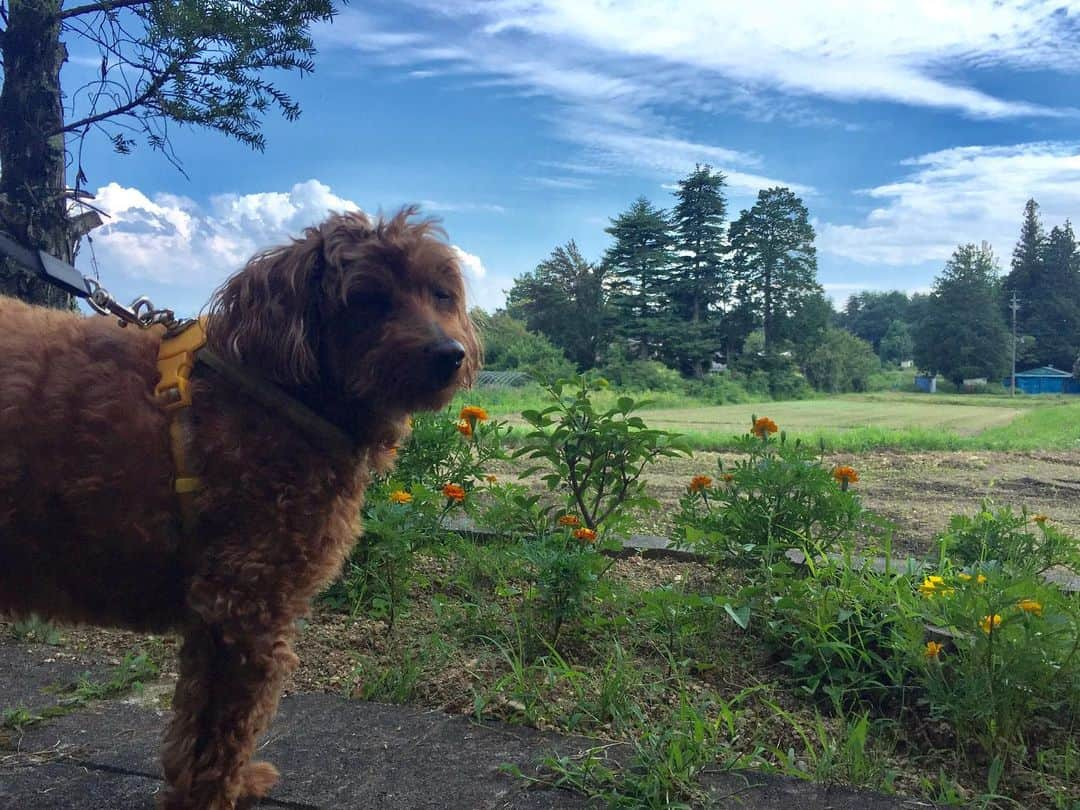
<point>446,358</point>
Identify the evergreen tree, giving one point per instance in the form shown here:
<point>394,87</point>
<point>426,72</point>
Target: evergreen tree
<point>1027,258</point>
<point>1054,303</point>
<point>564,300</point>
<point>963,334</point>
<point>700,284</point>
<point>163,62</point>
<point>774,262</point>
<point>638,267</point>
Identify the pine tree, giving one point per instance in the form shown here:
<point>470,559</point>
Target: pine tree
<point>774,262</point>
<point>963,334</point>
<point>1054,304</point>
<point>700,281</point>
<point>638,267</point>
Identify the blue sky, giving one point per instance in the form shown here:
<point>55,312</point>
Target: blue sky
<point>907,128</point>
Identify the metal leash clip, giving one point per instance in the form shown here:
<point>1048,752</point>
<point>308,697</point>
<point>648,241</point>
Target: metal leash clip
<point>141,313</point>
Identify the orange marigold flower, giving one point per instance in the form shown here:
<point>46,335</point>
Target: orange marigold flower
<point>699,482</point>
<point>933,649</point>
<point>454,492</point>
<point>400,496</point>
<point>846,474</point>
<point>569,520</point>
<point>728,477</point>
<point>1040,519</point>
<point>464,428</point>
<point>1030,606</point>
<point>472,412</point>
<point>585,535</point>
<point>989,622</point>
<point>491,479</point>
<point>763,426</point>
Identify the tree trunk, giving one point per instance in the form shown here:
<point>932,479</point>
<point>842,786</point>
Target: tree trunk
<point>32,176</point>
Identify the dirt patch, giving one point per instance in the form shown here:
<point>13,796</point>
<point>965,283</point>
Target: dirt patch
<point>917,492</point>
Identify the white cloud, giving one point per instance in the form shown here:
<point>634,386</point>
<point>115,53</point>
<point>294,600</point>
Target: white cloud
<point>462,207</point>
<point>843,49</point>
<point>623,72</point>
<point>470,263</point>
<point>966,194</point>
<point>183,249</point>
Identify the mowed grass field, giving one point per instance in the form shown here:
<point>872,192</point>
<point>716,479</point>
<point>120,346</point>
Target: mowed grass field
<point>834,415</point>
<point>855,422</point>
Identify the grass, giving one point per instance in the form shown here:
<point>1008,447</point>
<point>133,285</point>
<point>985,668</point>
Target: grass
<point>135,670</point>
<point>847,423</point>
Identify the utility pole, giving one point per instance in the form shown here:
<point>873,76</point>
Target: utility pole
<point>1013,306</point>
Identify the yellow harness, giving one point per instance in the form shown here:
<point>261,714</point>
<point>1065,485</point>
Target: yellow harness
<point>176,361</point>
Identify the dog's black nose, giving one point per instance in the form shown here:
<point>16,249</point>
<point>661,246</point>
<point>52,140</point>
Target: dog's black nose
<point>446,358</point>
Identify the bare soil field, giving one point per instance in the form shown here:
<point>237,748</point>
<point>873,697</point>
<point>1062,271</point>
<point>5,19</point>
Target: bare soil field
<point>918,492</point>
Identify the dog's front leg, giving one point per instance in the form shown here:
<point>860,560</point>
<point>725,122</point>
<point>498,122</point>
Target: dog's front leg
<point>226,696</point>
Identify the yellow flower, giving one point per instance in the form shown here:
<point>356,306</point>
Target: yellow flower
<point>699,482</point>
<point>763,426</point>
<point>845,474</point>
<point>964,576</point>
<point>935,586</point>
<point>473,413</point>
<point>980,579</point>
<point>585,535</point>
<point>1040,519</point>
<point>400,496</point>
<point>1030,606</point>
<point>454,492</point>
<point>464,428</point>
<point>987,623</point>
<point>569,520</point>
<point>933,649</point>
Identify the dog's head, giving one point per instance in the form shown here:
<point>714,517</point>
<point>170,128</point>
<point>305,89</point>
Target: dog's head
<point>366,314</point>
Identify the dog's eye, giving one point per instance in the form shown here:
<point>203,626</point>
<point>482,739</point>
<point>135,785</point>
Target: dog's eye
<point>370,303</point>
<point>442,295</point>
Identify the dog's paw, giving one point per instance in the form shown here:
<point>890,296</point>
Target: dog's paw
<point>257,778</point>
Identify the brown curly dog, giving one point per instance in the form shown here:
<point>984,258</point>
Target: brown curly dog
<point>361,321</point>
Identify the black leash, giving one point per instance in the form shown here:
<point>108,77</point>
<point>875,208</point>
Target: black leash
<point>52,270</point>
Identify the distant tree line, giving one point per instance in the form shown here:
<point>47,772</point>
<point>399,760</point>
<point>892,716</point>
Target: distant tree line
<point>963,328</point>
<point>679,290</point>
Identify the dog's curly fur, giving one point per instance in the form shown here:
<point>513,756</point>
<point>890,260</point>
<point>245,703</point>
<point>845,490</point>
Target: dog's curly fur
<point>363,321</point>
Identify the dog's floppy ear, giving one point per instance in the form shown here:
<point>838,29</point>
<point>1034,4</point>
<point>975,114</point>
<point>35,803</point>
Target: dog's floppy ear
<point>263,317</point>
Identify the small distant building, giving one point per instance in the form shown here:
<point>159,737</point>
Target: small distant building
<point>926,383</point>
<point>974,384</point>
<point>1044,380</point>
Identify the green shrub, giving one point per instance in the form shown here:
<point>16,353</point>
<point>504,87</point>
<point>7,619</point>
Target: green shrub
<point>780,496</point>
<point>443,449</point>
<point>1017,541</point>
<point>596,457</point>
<point>840,362</point>
<point>509,345</point>
<point>1005,668</point>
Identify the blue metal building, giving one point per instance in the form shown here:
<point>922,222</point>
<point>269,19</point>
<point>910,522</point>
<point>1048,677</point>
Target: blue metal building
<point>1045,380</point>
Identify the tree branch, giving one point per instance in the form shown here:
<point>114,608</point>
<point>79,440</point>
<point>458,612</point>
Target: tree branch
<point>104,5</point>
<point>151,90</point>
